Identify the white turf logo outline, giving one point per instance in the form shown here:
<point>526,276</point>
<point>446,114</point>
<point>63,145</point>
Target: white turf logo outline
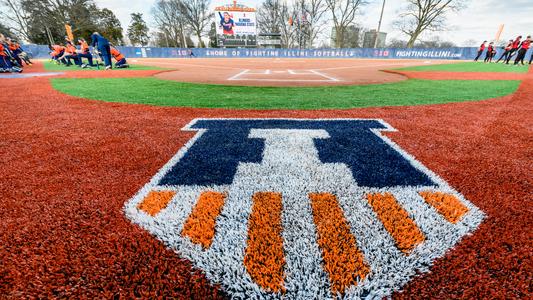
<point>295,171</point>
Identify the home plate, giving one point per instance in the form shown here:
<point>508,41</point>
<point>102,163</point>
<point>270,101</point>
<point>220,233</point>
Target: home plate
<point>283,75</point>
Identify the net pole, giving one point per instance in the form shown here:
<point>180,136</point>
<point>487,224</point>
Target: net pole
<point>379,24</point>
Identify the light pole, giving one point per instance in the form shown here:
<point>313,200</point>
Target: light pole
<point>379,24</point>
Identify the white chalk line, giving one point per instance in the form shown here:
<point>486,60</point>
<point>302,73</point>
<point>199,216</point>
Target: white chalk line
<point>283,80</point>
<point>191,65</point>
<point>324,75</point>
<point>368,66</point>
<point>236,76</point>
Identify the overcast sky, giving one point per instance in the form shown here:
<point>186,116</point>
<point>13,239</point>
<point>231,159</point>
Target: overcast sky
<point>479,21</point>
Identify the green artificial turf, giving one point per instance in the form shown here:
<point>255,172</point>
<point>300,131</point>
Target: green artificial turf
<point>52,66</point>
<point>470,67</point>
<point>170,93</point>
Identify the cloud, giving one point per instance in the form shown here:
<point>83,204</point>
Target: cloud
<point>479,20</point>
<point>123,9</point>
<point>497,6</point>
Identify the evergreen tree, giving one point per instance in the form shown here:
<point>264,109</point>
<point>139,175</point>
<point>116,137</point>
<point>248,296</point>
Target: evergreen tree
<point>109,26</point>
<point>138,30</point>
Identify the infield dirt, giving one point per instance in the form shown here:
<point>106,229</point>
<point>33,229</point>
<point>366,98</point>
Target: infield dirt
<point>282,72</point>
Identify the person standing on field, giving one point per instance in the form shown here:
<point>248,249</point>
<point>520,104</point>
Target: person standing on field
<point>491,51</point>
<point>516,45</point>
<point>506,52</point>
<point>524,47</point>
<point>102,44</point>
<point>480,50</point>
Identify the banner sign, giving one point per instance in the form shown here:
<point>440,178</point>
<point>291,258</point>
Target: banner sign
<point>68,29</point>
<point>42,51</point>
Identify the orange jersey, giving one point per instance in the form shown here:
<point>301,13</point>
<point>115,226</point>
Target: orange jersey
<point>13,46</point>
<point>84,47</point>
<point>70,49</point>
<point>58,49</point>
<point>116,54</point>
<point>2,49</point>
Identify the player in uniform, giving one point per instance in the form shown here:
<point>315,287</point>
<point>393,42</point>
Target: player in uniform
<point>71,53</point>
<point>516,45</point>
<point>15,50</point>
<point>491,51</point>
<point>507,51</point>
<point>102,44</point>
<point>119,58</point>
<point>5,59</point>
<point>85,52</point>
<point>5,64</point>
<point>57,54</point>
<point>524,47</point>
<point>480,50</point>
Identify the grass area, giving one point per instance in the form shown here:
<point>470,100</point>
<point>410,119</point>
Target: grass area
<point>470,67</point>
<point>51,66</point>
<point>170,93</point>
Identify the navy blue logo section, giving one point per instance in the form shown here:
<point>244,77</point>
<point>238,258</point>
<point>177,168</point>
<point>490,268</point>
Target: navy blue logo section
<point>215,155</point>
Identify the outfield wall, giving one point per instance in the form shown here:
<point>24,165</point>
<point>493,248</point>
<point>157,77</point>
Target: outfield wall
<point>41,51</point>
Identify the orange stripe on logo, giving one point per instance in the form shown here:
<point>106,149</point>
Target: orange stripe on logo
<point>396,221</point>
<point>155,201</point>
<point>446,204</point>
<point>200,225</point>
<point>264,259</point>
<point>343,260</point>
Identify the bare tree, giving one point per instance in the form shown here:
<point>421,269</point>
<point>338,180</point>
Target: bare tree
<point>425,15</point>
<point>4,30</point>
<point>169,18</point>
<point>434,42</point>
<point>275,16</point>
<point>343,13</point>
<point>197,14</point>
<point>288,27</point>
<point>312,18</point>
<point>43,21</point>
<point>396,43</point>
<point>16,17</point>
<point>269,17</point>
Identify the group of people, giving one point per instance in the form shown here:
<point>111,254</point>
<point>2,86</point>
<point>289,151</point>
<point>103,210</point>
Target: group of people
<point>102,48</point>
<point>12,56</point>
<point>517,46</point>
